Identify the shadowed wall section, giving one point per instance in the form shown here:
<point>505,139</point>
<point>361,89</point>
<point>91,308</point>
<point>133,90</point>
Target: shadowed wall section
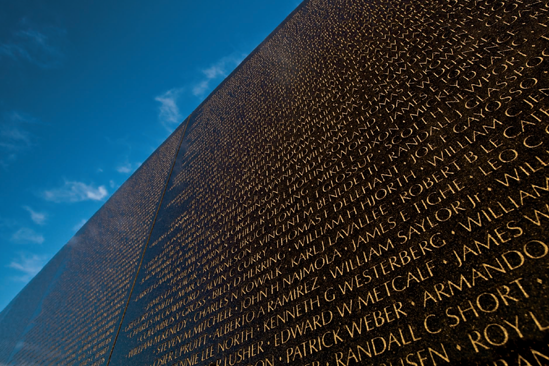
<point>70,312</point>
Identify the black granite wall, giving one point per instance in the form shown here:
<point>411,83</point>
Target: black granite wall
<point>368,188</point>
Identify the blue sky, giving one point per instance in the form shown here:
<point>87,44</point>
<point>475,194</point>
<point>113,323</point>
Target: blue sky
<point>88,90</point>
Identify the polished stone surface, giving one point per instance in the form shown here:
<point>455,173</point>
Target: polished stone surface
<point>369,187</point>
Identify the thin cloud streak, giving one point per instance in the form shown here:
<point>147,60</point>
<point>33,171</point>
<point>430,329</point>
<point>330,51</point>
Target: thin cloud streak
<point>169,114</point>
<point>220,69</point>
<point>15,137</point>
<point>41,46</point>
<point>29,265</point>
<point>38,217</point>
<point>73,191</point>
<point>124,169</point>
<point>127,168</point>
<point>26,235</point>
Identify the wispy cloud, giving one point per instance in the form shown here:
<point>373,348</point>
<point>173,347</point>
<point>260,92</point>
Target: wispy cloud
<point>124,169</point>
<point>79,224</point>
<point>41,46</point>
<point>169,114</point>
<point>29,265</point>
<point>127,167</point>
<point>26,235</point>
<point>38,217</point>
<point>15,137</point>
<point>220,69</point>
<point>7,223</point>
<point>72,191</point>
